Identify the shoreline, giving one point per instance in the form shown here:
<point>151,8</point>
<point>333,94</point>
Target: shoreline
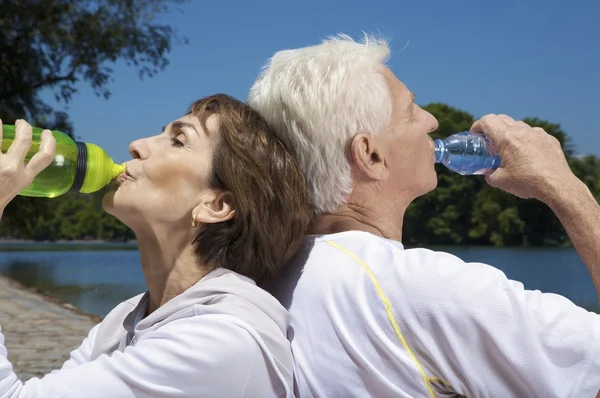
<point>62,241</point>
<point>51,299</point>
<point>134,242</point>
<point>39,330</point>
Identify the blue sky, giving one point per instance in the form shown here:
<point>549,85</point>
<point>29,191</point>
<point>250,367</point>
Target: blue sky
<point>523,58</point>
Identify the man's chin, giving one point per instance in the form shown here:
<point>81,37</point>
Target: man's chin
<point>434,181</point>
<point>430,185</point>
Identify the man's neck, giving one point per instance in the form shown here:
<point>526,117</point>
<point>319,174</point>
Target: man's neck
<point>357,218</point>
<point>169,264</point>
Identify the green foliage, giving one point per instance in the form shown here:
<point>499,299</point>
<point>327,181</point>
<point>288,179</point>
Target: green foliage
<point>462,210</point>
<point>466,211</point>
<point>69,217</point>
<point>57,45</point>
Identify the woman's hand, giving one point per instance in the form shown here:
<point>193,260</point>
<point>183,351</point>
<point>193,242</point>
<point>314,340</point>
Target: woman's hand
<point>15,174</point>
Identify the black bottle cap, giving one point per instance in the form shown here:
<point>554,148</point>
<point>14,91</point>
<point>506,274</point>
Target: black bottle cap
<point>81,167</point>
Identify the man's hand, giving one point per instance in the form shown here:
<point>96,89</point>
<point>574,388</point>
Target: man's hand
<point>15,174</point>
<point>534,166</point>
<point>533,162</point>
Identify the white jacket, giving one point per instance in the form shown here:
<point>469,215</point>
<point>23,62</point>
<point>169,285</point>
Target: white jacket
<point>223,337</point>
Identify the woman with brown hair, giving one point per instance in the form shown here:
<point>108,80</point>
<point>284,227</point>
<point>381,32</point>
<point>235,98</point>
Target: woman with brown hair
<point>217,204</point>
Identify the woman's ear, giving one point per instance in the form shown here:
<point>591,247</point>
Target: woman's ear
<point>214,207</point>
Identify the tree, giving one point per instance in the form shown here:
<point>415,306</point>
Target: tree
<point>57,45</point>
<point>587,168</point>
<point>465,210</point>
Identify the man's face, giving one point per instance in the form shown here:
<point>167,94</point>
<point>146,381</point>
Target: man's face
<point>406,143</point>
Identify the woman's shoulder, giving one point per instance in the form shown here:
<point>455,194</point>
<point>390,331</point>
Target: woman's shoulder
<point>124,308</point>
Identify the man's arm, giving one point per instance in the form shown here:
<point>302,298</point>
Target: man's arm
<point>579,212</point>
<point>485,335</point>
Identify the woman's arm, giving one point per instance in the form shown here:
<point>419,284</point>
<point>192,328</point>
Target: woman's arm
<point>81,354</point>
<point>207,356</point>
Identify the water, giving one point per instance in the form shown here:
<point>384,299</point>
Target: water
<point>549,270</point>
<point>467,153</point>
<point>96,277</point>
<point>93,278</point>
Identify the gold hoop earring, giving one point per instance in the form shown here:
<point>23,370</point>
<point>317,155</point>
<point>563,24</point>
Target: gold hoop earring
<point>195,222</point>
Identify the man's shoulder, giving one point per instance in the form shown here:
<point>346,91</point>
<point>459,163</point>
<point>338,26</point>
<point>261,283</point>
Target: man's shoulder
<point>338,262</point>
<point>362,256</point>
<point>354,246</point>
<point>374,252</point>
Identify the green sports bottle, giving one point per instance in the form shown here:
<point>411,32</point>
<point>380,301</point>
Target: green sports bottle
<point>77,166</point>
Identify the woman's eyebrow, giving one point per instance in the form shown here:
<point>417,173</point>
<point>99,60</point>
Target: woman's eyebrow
<point>178,125</point>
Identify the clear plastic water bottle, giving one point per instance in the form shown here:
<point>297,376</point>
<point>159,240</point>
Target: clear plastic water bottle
<point>467,153</point>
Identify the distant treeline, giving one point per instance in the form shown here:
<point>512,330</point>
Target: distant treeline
<point>467,211</point>
<point>69,217</point>
<point>461,211</point>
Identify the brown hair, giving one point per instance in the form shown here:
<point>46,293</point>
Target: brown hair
<point>270,194</point>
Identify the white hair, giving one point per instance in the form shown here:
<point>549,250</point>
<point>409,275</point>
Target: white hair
<point>317,99</point>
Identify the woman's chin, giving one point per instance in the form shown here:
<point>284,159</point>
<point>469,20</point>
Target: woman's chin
<point>121,205</point>
<point>108,200</point>
<point>115,203</point>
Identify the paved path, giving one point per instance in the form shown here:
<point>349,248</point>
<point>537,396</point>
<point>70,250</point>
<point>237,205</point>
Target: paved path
<point>39,333</point>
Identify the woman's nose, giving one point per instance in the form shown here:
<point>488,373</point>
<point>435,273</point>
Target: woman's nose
<point>139,149</point>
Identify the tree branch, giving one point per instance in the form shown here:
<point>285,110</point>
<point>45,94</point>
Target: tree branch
<point>51,80</point>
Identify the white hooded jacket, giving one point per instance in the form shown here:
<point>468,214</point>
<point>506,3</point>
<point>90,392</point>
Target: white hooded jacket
<point>223,337</point>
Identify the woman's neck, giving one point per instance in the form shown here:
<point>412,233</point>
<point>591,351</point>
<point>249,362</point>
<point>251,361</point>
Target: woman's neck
<point>169,264</point>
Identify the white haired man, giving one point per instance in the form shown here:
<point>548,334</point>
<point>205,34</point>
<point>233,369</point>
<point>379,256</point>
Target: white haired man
<point>370,319</point>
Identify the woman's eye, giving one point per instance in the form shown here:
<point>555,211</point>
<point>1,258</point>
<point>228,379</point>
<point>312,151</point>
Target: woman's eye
<point>176,142</point>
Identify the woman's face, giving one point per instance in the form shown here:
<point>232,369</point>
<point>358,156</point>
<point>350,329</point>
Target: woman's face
<point>167,180</point>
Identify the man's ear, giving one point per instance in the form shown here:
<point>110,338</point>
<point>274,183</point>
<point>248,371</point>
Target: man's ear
<point>367,158</point>
<point>214,207</point>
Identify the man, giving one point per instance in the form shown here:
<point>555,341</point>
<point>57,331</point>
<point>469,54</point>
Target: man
<point>370,319</point>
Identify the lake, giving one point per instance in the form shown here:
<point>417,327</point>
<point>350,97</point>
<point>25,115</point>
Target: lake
<point>96,277</point>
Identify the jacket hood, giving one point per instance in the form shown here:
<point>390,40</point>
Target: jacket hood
<point>222,291</point>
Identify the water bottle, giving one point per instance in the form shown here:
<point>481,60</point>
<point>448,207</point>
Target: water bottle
<point>467,153</point>
<point>77,166</point>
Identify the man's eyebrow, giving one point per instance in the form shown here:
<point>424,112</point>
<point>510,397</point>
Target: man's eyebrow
<point>412,96</point>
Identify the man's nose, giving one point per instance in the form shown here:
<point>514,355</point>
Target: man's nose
<point>432,122</point>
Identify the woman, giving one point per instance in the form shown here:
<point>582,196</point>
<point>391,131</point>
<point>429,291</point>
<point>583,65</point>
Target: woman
<point>217,204</point>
